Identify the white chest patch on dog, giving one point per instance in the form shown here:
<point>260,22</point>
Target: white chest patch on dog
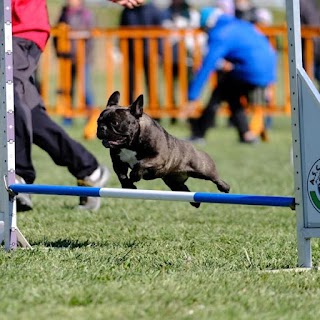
<point>128,156</point>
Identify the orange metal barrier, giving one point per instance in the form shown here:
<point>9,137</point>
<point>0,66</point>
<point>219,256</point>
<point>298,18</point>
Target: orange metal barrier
<point>164,95</point>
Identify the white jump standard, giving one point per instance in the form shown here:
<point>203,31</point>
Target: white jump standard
<point>9,231</point>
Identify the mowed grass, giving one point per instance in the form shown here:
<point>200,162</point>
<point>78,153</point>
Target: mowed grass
<point>136,259</point>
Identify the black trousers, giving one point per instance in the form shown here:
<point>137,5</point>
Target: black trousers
<point>230,90</point>
<point>132,80</point>
<point>34,126</point>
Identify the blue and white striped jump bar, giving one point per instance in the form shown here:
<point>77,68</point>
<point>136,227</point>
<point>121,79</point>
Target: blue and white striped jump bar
<point>205,197</point>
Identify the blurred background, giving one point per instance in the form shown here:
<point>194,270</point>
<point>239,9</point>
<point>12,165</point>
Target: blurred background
<point>109,62</point>
<point>103,7</point>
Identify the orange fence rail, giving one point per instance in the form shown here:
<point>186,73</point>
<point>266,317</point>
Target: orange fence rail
<point>165,95</point>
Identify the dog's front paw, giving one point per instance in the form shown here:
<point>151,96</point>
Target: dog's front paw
<point>195,204</point>
<point>135,176</point>
<point>128,184</point>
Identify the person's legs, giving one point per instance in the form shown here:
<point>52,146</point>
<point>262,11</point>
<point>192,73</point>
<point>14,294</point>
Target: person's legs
<point>25,172</point>
<point>239,117</point>
<point>67,152</point>
<point>63,150</point>
<point>229,90</point>
<point>147,80</point>
<point>175,89</point>
<point>33,125</point>
<point>67,119</point>
<point>25,58</point>
<point>200,126</point>
<point>89,96</point>
<point>23,141</point>
<point>73,83</point>
<point>239,89</point>
<point>131,83</point>
<point>317,72</point>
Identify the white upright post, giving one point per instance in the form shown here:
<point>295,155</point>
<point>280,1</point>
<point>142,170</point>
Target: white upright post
<point>305,113</point>
<point>7,207</point>
<point>9,233</point>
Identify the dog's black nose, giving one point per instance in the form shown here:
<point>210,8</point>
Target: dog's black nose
<point>101,132</point>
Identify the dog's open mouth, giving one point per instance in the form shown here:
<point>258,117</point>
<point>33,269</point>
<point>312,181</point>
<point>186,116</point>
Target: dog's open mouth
<point>112,144</point>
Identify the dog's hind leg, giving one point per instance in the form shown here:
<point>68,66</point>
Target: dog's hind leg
<point>207,171</point>
<point>221,185</point>
<point>176,183</point>
<point>214,177</point>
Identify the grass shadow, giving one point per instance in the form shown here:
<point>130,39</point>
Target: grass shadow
<point>66,244</point>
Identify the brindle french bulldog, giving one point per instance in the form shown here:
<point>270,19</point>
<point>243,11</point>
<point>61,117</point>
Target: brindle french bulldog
<point>138,142</point>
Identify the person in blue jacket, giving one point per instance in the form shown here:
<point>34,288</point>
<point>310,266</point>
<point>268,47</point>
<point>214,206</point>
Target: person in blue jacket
<point>253,65</point>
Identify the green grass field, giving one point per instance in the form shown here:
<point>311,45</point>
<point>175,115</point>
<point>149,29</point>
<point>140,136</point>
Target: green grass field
<point>136,259</point>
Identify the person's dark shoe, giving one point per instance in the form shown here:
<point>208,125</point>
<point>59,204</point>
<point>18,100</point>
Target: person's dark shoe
<point>173,121</point>
<point>264,135</point>
<point>97,179</point>
<point>67,122</point>
<point>249,137</point>
<point>23,200</point>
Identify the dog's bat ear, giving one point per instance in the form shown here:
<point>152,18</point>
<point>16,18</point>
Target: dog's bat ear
<point>114,99</point>
<point>136,109</point>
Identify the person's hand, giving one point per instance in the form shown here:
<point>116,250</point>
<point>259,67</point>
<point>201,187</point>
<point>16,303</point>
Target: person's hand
<point>188,109</point>
<point>129,3</point>
<point>227,66</point>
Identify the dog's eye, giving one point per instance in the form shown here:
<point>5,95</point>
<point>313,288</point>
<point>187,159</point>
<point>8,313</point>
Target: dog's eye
<point>114,123</point>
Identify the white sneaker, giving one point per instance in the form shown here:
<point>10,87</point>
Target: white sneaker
<point>24,202</point>
<point>97,179</point>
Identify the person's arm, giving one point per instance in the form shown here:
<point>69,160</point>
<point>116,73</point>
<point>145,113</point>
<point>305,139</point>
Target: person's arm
<point>129,3</point>
<point>217,51</point>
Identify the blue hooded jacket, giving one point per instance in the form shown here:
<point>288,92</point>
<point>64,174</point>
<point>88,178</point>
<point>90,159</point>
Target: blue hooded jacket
<point>242,44</point>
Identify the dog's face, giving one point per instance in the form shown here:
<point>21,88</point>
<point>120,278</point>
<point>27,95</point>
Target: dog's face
<point>118,126</point>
